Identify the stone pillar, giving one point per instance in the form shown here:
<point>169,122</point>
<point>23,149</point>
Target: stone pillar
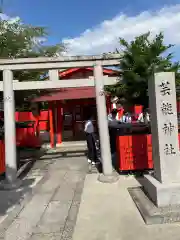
<point>9,124</point>
<point>53,75</point>
<point>164,187</point>
<point>103,127</point>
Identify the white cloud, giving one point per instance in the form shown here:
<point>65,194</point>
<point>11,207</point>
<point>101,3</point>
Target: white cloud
<point>104,37</point>
<point>5,17</point>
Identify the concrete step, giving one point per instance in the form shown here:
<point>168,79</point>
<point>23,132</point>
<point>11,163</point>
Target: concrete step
<point>67,146</point>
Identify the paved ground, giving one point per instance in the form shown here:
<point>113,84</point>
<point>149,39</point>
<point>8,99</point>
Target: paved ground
<point>50,198</point>
<point>108,212</point>
<point>47,206</point>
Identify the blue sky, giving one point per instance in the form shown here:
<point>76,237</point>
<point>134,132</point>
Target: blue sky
<point>83,24</point>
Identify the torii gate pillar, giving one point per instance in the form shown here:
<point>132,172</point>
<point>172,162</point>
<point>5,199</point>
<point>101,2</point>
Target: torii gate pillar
<point>10,134</point>
<point>107,175</point>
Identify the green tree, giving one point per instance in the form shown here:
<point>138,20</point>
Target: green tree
<point>18,40</point>
<point>139,60</point>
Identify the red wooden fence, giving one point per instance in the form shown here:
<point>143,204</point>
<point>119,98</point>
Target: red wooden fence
<point>135,152</point>
<point>2,157</point>
<point>42,119</point>
<point>26,137</point>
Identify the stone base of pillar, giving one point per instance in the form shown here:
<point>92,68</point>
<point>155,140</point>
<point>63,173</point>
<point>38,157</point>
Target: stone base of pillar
<point>157,203</point>
<point>108,178</point>
<point>6,185</point>
<point>161,194</point>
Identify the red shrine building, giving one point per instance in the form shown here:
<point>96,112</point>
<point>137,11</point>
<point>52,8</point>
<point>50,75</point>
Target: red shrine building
<point>68,107</point>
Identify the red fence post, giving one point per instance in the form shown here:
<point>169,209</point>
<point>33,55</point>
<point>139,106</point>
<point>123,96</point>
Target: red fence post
<point>59,122</point>
<point>2,157</point>
<point>51,125</point>
<point>134,152</point>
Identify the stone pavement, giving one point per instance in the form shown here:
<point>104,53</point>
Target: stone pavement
<point>108,212</point>
<point>50,198</point>
<point>47,206</point>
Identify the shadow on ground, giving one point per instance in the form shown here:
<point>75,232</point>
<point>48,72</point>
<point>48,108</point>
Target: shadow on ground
<point>28,154</point>
<point>11,201</point>
<point>12,197</point>
<point>58,154</point>
<point>26,157</point>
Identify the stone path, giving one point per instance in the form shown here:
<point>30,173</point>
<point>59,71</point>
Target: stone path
<point>50,209</point>
<point>107,212</point>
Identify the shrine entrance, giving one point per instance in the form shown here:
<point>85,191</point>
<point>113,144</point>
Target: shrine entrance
<point>70,106</point>
<point>74,117</point>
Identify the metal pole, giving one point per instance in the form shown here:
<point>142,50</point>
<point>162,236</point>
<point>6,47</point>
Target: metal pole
<point>9,123</point>
<point>102,121</point>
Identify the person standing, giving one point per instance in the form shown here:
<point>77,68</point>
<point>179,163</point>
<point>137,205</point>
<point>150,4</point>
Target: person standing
<point>112,117</point>
<point>126,118</point>
<point>90,138</point>
<point>146,116</point>
<point>140,118</point>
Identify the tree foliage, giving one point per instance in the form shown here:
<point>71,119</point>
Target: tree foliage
<point>18,40</point>
<point>139,60</point>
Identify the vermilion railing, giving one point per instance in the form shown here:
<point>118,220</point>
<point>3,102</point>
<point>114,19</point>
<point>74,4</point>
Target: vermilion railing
<point>134,152</point>
<point>2,157</point>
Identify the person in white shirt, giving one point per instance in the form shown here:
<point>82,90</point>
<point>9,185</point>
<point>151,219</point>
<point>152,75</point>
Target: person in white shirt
<point>144,117</point>
<point>90,138</point>
<point>112,117</point>
<point>141,117</point>
<point>126,118</point>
